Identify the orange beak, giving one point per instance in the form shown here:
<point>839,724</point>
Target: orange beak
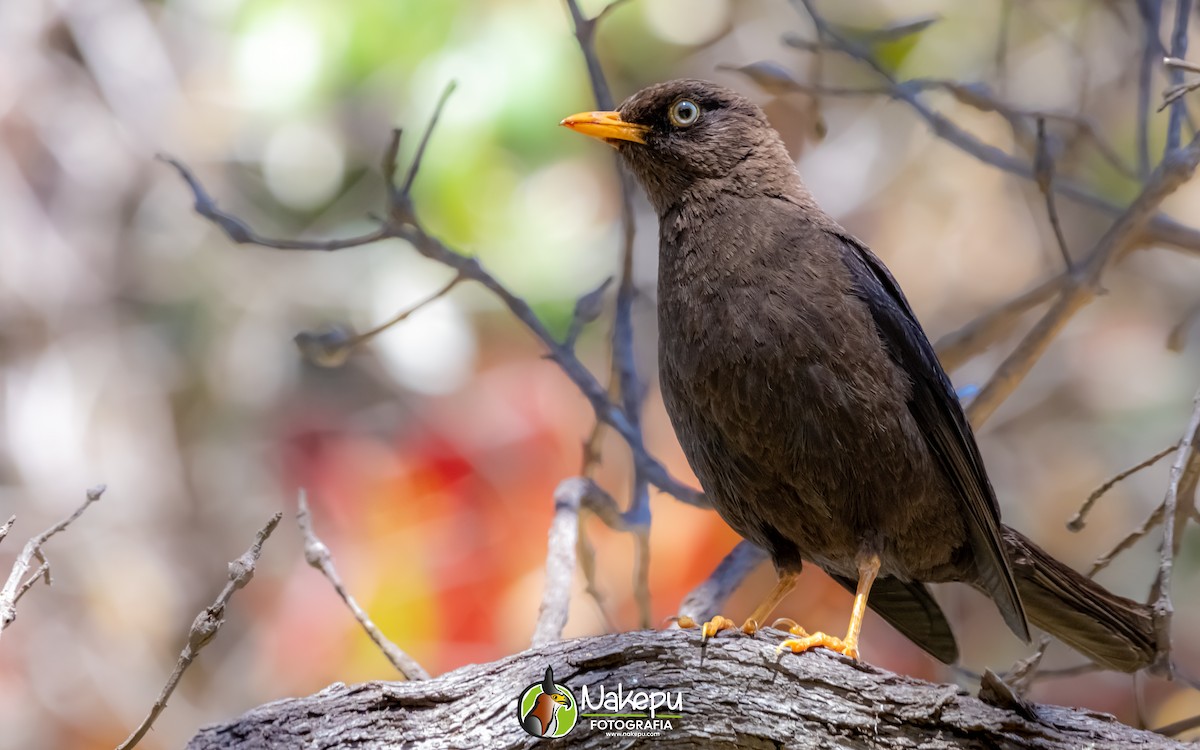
<point>607,126</point>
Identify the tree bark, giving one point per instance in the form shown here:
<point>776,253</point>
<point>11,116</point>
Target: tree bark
<point>736,692</point>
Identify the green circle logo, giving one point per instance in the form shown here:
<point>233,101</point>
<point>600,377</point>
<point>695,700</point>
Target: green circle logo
<point>547,709</point>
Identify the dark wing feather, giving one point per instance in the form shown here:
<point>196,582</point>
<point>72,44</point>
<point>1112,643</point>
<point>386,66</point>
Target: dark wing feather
<point>948,434</point>
<point>909,607</point>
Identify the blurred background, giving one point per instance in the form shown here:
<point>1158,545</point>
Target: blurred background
<point>140,348</point>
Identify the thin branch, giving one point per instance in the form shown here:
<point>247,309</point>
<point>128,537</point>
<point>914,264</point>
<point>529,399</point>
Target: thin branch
<point>1083,284</point>
<point>775,78</point>
<point>1178,727</point>
<point>1185,474</point>
<point>1179,45</point>
<point>240,232</point>
<point>1177,338</point>
<point>415,165</point>
<point>706,600</point>
<point>1043,170</point>
<point>17,583</point>
<point>205,626</point>
<point>317,555</point>
<point>333,346</point>
<point>569,497</point>
<point>470,268</point>
<point>1000,59</point>
<point>1130,539</point>
<point>1078,521</point>
<point>587,309</point>
<point>955,348</point>
<point>587,565</point>
<point>1151,14</point>
<point>628,388</point>
<point>7,527</point>
<point>42,573</point>
<point>1159,229</point>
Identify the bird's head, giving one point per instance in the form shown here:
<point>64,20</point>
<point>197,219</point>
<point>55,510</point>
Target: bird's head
<point>680,135</point>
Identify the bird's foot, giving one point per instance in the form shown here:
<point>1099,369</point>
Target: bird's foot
<point>716,625</point>
<point>802,641</point>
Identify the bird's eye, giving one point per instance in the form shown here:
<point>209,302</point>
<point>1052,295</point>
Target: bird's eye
<point>684,113</point>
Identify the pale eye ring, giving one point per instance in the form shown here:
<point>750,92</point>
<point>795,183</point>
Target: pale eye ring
<point>684,113</point>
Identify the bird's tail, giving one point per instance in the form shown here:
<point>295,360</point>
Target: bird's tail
<point>1113,631</point>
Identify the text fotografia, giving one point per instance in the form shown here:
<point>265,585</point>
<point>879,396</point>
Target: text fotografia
<point>630,713</point>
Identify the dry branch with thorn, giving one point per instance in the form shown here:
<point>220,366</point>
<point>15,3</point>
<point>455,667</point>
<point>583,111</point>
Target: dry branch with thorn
<point>318,556</point>
<point>205,626</point>
<point>17,583</point>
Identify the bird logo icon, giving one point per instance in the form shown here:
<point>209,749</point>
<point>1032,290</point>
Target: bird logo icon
<point>547,709</point>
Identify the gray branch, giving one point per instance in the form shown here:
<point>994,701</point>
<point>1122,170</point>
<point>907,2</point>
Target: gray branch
<point>736,692</point>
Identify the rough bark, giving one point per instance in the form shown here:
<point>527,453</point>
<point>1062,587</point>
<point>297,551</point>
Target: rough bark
<point>736,693</point>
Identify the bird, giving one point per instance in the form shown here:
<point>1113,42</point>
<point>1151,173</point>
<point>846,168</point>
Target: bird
<point>810,403</point>
<point>542,718</point>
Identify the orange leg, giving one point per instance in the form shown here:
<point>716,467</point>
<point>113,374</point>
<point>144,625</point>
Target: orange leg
<point>786,582</point>
<point>868,569</point>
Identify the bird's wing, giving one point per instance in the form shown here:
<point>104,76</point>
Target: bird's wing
<point>908,607</point>
<point>935,407</point>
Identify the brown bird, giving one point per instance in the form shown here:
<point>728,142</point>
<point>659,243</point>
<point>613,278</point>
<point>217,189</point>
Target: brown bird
<point>809,401</point>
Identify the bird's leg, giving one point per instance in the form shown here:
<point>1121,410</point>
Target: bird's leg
<point>868,569</point>
<point>787,582</point>
<point>783,587</point>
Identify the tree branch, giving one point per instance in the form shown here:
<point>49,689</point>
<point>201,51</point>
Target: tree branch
<point>17,584</point>
<point>1177,508</point>
<point>471,269</point>
<point>735,692</point>
<point>205,626</point>
<point>1159,229</point>
<point>317,555</point>
<point>1083,283</point>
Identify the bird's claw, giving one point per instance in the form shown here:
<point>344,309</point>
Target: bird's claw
<point>714,626</point>
<point>801,641</point>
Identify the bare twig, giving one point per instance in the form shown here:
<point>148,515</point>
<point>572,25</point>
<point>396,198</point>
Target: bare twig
<point>1159,229</point>
<point>331,347</point>
<point>1021,675</point>
<point>17,583</point>
<point>1000,60</point>
<point>627,385</point>
<point>776,79</point>
<point>1178,335</point>
<point>1078,521</point>
<point>7,527</point>
<point>587,310</point>
<point>1083,284</point>
<point>470,268</point>
<point>317,555</point>
<point>1179,45</point>
<point>955,348</point>
<point>1177,508</point>
<point>240,232</point>
<point>587,566</point>
<point>415,165</point>
<point>569,497</point>
<point>1043,170</point>
<point>1151,15</point>
<point>1130,539</point>
<point>1178,727</point>
<point>205,626</point>
<point>706,600</point>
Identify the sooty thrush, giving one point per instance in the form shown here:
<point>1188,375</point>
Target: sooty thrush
<point>809,401</point>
